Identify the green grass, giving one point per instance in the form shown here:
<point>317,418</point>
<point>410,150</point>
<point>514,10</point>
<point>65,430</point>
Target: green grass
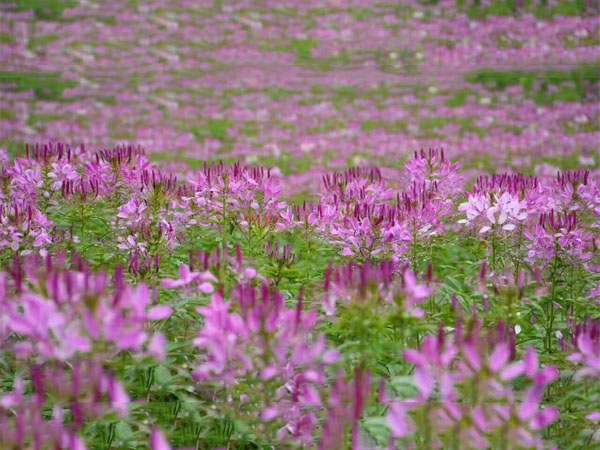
<point>250,128</point>
<point>214,128</point>
<point>42,118</point>
<point>6,38</point>
<point>43,9</point>
<point>192,163</point>
<point>302,48</point>
<point>476,10</point>
<point>287,163</point>
<point>46,86</point>
<point>570,83</point>
<point>5,114</point>
<point>398,126</point>
<point>42,41</point>
<point>459,98</point>
<point>500,80</point>
<point>362,14</point>
<point>280,93</point>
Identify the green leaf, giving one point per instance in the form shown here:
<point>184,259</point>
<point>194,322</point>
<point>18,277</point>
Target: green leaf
<point>242,428</point>
<point>123,432</point>
<point>108,256</point>
<point>378,428</point>
<point>404,386</point>
<point>162,376</point>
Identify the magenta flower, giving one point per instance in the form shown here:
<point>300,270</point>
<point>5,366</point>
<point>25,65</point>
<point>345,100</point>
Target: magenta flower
<point>595,293</point>
<point>270,346</point>
<point>502,212</point>
<point>77,312</point>
<point>434,170</point>
<point>415,293</point>
<point>81,388</point>
<point>587,354</point>
<point>158,440</point>
<point>469,377</point>
<point>398,419</point>
<point>186,277</point>
<point>132,212</point>
<point>559,235</point>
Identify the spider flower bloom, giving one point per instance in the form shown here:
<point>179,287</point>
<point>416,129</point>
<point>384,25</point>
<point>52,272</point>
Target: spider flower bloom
<point>492,212</point>
<point>74,312</point>
<point>587,350</point>
<point>559,235</point>
<point>423,210</point>
<point>585,353</point>
<point>23,228</point>
<point>83,388</point>
<point>470,378</point>
<point>432,168</point>
<point>347,402</point>
<point>186,277</point>
<point>271,346</point>
<point>356,185</point>
<point>367,231</point>
<point>595,293</point>
<point>376,284</point>
<point>158,440</point>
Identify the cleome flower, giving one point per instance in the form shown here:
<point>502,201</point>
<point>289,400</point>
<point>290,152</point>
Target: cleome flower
<point>502,212</point>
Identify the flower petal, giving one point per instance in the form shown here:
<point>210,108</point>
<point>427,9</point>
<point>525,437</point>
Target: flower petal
<point>159,312</point>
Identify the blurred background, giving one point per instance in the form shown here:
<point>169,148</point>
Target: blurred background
<point>307,85</point>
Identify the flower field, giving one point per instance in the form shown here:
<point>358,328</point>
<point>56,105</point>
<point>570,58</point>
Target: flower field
<point>333,224</point>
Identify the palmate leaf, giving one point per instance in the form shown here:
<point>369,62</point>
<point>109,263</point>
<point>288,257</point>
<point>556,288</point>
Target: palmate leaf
<point>404,386</point>
<point>377,428</point>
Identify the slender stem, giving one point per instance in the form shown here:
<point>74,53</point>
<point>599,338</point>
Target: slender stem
<point>223,236</point>
<point>552,298</point>
<point>308,249</point>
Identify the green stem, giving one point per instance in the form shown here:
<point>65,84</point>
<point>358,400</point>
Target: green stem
<point>550,307</point>
<point>427,444</point>
<point>223,239</point>
<point>413,261</point>
<point>308,249</point>
<point>517,259</point>
<point>494,253</point>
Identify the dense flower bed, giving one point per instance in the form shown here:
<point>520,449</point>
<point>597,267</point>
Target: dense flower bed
<point>333,225</point>
<point>132,298</point>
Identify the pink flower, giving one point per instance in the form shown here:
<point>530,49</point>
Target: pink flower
<point>595,293</point>
<point>594,416</point>
<point>398,419</point>
<point>266,344</point>
<point>119,399</point>
<point>132,212</point>
<point>156,347</point>
<point>14,398</point>
<point>502,212</point>
<point>187,277</point>
<point>453,370</point>
<point>587,354</point>
<point>77,312</point>
<point>434,169</point>
<point>414,292</point>
<point>158,440</point>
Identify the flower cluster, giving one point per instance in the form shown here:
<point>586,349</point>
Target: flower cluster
<point>67,313</point>
<point>255,334</point>
<point>376,285</point>
<point>558,235</point>
<point>498,213</point>
<point>465,393</point>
